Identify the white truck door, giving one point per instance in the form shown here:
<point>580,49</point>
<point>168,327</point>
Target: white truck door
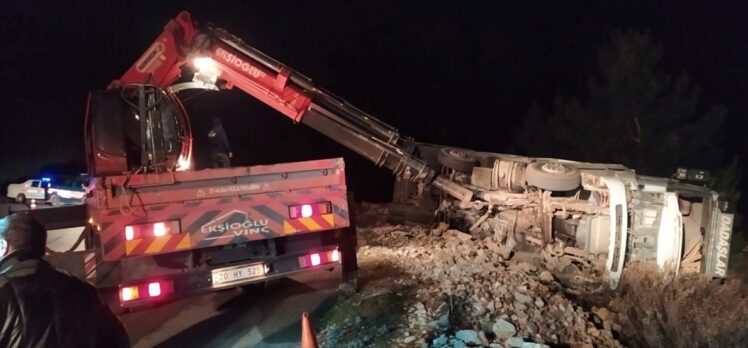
<point>670,235</point>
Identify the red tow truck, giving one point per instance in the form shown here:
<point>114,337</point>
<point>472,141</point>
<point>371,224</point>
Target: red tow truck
<point>158,230</point>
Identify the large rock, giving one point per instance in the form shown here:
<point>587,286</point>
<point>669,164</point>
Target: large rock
<point>514,342</point>
<point>459,344</point>
<point>440,341</point>
<point>503,329</point>
<point>468,336</point>
<point>441,322</point>
<point>522,298</point>
<point>603,313</point>
<point>546,277</point>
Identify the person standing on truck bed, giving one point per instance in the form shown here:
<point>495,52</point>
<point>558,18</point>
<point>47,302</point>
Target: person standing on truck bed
<point>220,150</point>
<point>41,306</point>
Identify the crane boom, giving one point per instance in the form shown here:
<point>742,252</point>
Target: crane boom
<point>234,63</point>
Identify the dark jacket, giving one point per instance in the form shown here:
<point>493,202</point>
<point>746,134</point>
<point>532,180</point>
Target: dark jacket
<point>219,143</point>
<point>43,307</point>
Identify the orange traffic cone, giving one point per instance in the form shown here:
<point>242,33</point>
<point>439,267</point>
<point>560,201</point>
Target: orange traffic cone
<point>308,340</point>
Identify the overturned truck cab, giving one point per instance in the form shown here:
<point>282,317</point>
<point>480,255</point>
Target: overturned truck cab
<point>603,214</point>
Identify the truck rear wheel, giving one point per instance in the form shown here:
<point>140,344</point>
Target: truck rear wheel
<point>21,198</point>
<point>456,159</point>
<point>553,176</point>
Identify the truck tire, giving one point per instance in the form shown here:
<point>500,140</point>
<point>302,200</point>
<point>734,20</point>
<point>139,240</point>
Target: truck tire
<point>456,159</point>
<point>21,198</point>
<point>553,176</point>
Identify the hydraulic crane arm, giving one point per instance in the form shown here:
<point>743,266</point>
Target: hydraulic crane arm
<point>222,59</point>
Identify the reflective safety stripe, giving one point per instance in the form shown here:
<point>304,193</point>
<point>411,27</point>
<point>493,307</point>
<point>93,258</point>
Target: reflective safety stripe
<point>314,223</point>
<point>157,244</point>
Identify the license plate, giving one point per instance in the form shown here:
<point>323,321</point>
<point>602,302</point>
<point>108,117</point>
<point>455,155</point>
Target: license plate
<point>223,276</point>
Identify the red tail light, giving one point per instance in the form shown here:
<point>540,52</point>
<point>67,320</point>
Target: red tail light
<point>145,291</point>
<point>152,230</point>
<point>309,209</point>
<point>316,259</point>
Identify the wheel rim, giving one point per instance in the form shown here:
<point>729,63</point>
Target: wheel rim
<point>554,168</point>
<point>457,153</point>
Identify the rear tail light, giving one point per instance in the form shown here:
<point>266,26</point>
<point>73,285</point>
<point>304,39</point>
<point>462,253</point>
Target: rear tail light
<point>315,259</point>
<point>129,293</point>
<point>129,233</point>
<point>152,230</point>
<point>159,229</point>
<point>145,291</point>
<point>309,210</point>
<point>319,258</point>
<point>306,210</point>
<point>154,289</point>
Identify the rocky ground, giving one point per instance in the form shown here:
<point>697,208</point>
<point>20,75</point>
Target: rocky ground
<point>431,286</point>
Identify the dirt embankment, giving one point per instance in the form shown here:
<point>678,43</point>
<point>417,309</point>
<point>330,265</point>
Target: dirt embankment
<point>434,287</point>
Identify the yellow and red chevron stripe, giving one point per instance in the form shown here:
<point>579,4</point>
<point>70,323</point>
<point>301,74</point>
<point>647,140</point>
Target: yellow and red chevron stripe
<point>313,223</point>
<point>157,245</point>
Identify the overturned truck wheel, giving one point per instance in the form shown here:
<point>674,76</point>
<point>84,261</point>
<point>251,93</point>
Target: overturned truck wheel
<point>456,159</point>
<point>552,176</point>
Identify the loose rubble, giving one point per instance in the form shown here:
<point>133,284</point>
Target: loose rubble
<point>443,287</point>
<point>467,295</point>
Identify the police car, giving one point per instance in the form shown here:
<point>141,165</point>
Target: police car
<point>58,190</point>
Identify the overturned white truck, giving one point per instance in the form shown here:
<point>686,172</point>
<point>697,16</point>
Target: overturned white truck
<point>604,213</point>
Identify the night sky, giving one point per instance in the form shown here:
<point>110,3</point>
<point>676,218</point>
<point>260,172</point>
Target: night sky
<point>458,73</point>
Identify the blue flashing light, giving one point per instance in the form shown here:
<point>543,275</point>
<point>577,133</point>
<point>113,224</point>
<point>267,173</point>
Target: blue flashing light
<point>46,179</point>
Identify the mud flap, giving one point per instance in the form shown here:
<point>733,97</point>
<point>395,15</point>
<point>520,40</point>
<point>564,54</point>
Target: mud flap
<point>348,247</point>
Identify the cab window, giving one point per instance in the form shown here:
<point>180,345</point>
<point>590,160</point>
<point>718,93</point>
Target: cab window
<point>35,183</point>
